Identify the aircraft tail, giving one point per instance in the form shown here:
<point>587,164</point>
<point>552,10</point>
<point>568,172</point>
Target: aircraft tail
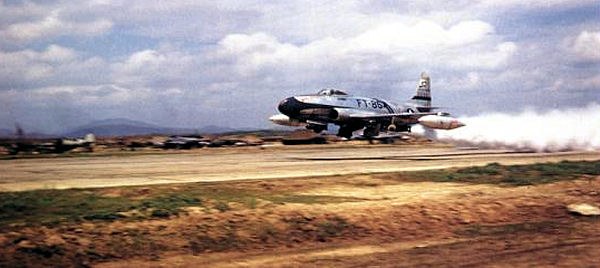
<point>422,98</point>
<point>90,138</point>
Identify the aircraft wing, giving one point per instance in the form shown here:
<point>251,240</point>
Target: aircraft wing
<point>312,122</point>
<point>376,116</point>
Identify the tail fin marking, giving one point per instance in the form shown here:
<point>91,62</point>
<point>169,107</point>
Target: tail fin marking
<point>422,98</point>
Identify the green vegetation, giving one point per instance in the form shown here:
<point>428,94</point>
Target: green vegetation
<point>222,206</point>
<point>511,175</point>
<point>331,228</point>
<point>319,229</point>
<point>251,202</point>
<point>50,207</point>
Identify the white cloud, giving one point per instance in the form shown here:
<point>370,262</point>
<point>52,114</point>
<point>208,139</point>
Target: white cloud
<point>488,58</point>
<point>427,34</point>
<point>55,65</point>
<point>80,96</point>
<point>468,44</point>
<point>536,4</point>
<point>52,25</point>
<point>471,81</point>
<point>146,60</point>
<point>56,53</point>
<point>23,66</point>
<point>159,68</point>
<point>26,11</point>
<point>587,46</point>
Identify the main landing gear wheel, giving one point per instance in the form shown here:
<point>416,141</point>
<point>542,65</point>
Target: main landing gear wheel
<point>345,133</point>
<point>317,128</point>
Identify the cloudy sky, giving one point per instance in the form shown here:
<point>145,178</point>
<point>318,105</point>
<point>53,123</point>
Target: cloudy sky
<point>228,63</point>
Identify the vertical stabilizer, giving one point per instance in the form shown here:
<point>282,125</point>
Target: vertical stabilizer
<point>19,131</point>
<point>90,138</point>
<point>423,96</point>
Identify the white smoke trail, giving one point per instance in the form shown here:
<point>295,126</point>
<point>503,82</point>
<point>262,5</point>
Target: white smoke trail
<point>556,130</point>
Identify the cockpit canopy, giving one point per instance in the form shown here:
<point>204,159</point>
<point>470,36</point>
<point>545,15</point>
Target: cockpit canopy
<point>331,91</point>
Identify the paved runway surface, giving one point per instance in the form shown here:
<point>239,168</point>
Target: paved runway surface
<point>209,165</point>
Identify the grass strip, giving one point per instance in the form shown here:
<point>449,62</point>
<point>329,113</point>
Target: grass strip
<point>49,207</point>
<point>509,175</point>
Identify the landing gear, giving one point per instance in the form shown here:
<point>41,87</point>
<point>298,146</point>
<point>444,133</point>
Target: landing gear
<point>345,132</point>
<point>403,128</point>
<point>316,128</point>
<point>372,130</point>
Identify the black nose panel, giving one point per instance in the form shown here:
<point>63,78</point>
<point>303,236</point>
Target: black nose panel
<point>289,106</point>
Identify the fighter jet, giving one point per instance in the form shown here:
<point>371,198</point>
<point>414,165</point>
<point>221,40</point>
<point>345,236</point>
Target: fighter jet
<point>67,144</point>
<point>372,115</point>
<point>23,144</point>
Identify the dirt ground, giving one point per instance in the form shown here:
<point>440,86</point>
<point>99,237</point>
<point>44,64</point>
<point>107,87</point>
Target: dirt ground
<point>359,221</point>
<point>250,163</point>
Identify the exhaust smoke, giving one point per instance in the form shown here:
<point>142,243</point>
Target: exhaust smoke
<point>556,130</point>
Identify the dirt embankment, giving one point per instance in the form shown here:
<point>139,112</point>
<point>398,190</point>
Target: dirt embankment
<point>337,221</point>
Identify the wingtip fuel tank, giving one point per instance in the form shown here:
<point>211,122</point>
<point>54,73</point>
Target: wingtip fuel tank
<point>440,122</point>
<point>285,120</point>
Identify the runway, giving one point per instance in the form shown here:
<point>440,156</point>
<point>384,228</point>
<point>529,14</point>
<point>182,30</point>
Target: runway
<point>226,164</point>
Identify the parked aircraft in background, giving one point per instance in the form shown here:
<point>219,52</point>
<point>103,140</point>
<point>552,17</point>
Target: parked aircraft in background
<point>27,145</point>
<point>67,144</point>
<point>185,142</point>
<point>372,115</point>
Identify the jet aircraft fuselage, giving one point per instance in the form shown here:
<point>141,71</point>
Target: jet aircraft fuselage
<point>351,113</point>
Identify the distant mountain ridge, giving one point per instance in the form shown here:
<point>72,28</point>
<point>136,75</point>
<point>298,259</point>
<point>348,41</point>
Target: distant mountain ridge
<point>11,134</point>
<point>127,127</point>
<point>118,121</point>
<point>6,132</point>
<point>120,127</point>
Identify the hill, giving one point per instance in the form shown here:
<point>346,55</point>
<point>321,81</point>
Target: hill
<point>127,127</point>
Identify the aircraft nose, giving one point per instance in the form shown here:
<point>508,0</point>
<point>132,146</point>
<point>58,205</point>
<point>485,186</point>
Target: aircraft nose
<point>286,106</point>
